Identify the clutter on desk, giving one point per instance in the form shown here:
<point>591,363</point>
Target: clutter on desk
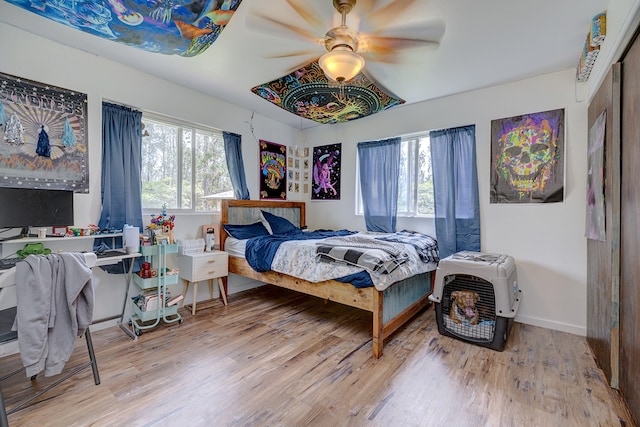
<point>89,230</point>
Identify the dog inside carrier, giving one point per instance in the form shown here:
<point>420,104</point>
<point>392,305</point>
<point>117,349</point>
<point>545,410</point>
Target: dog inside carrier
<point>477,297</point>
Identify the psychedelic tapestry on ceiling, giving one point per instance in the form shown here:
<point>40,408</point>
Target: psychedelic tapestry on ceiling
<point>273,170</point>
<point>43,131</point>
<point>171,27</point>
<point>527,158</point>
<point>326,172</point>
<point>307,93</point>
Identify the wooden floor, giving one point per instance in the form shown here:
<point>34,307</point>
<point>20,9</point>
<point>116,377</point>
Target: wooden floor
<point>274,357</point>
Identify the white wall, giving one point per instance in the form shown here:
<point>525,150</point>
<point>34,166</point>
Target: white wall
<point>32,57</point>
<point>546,240</point>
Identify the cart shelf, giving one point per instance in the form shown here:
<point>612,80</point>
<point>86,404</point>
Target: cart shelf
<point>141,320</point>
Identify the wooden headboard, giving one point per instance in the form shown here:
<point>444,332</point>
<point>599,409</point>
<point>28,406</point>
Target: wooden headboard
<point>248,212</point>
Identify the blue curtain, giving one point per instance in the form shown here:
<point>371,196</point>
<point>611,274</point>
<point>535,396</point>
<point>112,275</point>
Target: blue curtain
<point>235,165</point>
<point>455,187</point>
<point>379,163</point>
<point>121,166</point>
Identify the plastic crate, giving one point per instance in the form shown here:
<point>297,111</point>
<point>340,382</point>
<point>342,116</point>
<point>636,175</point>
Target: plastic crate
<point>492,278</point>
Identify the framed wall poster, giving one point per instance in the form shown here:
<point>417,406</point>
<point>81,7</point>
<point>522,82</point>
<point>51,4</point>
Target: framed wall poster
<point>326,172</point>
<point>273,170</point>
<point>43,132</point>
<point>595,221</point>
<point>527,158</point>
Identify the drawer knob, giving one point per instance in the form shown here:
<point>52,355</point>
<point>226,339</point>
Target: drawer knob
<point>211,261</point>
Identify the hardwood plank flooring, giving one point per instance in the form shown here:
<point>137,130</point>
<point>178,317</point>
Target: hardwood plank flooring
<point>274,357</point>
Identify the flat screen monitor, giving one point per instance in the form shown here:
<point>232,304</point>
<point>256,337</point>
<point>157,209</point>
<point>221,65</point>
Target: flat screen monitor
<point>30,207</point>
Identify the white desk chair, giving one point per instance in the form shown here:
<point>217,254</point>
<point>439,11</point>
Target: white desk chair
<point>8,303</point>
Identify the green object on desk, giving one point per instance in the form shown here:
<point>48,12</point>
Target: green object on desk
<point>33,249</point>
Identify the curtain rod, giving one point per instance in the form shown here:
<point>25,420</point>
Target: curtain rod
<point>121,104</point>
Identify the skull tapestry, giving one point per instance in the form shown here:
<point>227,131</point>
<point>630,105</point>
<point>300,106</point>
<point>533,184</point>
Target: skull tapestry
<point>527,158</point>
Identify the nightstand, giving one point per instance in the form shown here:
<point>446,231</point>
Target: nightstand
<point>203,266</point>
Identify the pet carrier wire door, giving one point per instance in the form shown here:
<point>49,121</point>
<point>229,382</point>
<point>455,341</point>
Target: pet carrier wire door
<point>477,297</point>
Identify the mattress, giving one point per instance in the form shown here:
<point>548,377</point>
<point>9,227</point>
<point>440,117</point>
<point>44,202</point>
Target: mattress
<point>235,247</point>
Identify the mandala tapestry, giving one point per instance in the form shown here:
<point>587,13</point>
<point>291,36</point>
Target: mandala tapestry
<point>307,93</point>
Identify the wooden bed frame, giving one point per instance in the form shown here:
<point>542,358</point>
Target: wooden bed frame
<point>391,308</point>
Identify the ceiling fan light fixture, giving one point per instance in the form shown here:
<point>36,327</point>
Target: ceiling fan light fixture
<point>341,64</point>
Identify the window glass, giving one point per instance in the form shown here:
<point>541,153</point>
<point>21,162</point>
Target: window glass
<point>183,166</point>
<point>415,183</point>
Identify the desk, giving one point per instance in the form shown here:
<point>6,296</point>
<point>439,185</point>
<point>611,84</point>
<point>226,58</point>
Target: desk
<point>203,266</point>
<point>81,244</point>
<point>114,260</point>
<point>66,244</point>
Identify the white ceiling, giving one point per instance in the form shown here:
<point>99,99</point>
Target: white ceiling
<point>485,43</point>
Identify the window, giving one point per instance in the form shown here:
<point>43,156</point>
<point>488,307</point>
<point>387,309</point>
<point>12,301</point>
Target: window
<point>415,184</point>
<point>183,166</point>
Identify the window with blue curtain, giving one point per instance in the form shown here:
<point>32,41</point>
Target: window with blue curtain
<point>121,192</point>
<point>455,187</point>
<point>235,164</point>
<point>379,164</point>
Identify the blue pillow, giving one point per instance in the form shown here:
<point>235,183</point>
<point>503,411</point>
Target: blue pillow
<point>246,231</point>
<point>278,224</point>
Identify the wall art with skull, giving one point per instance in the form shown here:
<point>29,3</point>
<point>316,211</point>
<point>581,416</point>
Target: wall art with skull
<point>527,158</point>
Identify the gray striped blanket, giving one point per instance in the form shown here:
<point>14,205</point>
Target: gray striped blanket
<point>373,260</point>
<point>362,251</point>
<point>426,246</point>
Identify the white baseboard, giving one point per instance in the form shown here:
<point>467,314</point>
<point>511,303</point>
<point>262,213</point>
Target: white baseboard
<point>556,326</point>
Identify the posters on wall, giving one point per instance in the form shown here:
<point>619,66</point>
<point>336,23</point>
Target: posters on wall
<point>298,171</point>
<point>326,172</point>
<point>273,170</point>
<point>595,221</point>
<point>527,158</point>
<point>43,132</point>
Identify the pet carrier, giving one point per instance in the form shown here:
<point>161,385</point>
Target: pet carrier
<point>476,297</point>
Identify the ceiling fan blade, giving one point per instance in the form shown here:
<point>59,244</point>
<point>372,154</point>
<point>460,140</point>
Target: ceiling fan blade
<point>425,34</point>
<point>292,54</point>
<point>307,13</point>
<point>385,16</point>
<point>390,45</point>
<point>274,27</point>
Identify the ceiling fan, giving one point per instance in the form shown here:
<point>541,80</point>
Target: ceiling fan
<point>347,47</point>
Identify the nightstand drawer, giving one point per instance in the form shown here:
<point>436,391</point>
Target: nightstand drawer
<point>207,265</point>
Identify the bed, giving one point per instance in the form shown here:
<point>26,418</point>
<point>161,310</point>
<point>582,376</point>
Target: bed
<point>391,308</point>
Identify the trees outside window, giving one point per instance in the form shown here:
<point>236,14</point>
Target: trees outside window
<point>183,166</point>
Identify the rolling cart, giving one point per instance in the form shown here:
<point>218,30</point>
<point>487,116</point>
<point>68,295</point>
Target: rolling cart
<point>155,289</point>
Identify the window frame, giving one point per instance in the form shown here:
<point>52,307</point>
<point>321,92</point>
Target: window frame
<point>412,184</point>
<point>182,127</point>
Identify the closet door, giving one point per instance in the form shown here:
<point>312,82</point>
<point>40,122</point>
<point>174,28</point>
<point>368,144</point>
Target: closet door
<point>604,256</point>
<point>630,231</point>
